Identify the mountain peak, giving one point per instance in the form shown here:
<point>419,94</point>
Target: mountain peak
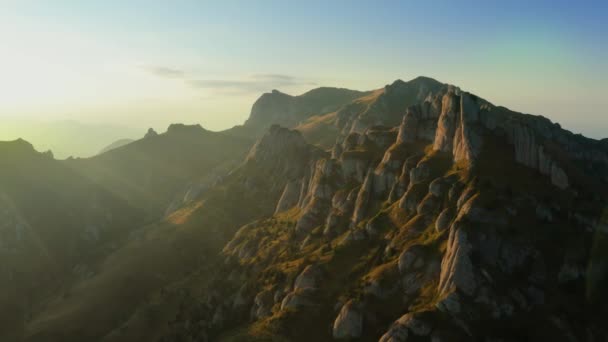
<point>151,133</point>
<point>17,146</point>
<point>425,79</point>
<point>179,128</point>
<point>287,110</point>
<point>276,143</point>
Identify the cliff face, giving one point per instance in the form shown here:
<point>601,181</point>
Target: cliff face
<point>447,219</point>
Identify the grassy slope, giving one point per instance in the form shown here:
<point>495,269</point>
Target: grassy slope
<point>150,171</point>
<point>54,205</point>
<point>126,287</point>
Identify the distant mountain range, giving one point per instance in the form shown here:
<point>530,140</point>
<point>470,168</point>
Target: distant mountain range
<point>66,138</point>
<point>414,212</point>
<point>118,143</point>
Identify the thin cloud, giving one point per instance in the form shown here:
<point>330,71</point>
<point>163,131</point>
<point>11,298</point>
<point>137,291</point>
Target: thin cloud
<point>165,72</point>
<point>273,77</point>
<point>254,83</point>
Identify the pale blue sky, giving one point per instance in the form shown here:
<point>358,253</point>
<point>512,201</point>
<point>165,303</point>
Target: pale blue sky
<point>150,63</point>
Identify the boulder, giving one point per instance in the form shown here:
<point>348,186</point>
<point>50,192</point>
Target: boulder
<point>298,299</point>
<point>444,220</point>
<point>407,324</point>
<point>151,133</point>
<point>410,259</point>
<point>349,323</point>
<point>437,187</point>
<point>428,206</point>
<point>308,278</point>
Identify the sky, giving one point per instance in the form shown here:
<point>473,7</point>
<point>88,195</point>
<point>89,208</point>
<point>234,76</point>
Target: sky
<point>152,63</point>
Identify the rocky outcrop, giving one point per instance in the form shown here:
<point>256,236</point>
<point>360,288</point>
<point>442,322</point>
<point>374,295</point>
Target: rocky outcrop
<point>262,304</point>
<point>386,106</point>
<point>406,325</point>
<point>464,118</point>
<point>411,258</point>
<point>380,136</point>
<point>457,269</point>
<point>457,131</point>
<point>363,198</point>
<point>289,197</point>
<point>308,279</point>
<point>304,289</point>
<point>530,152</point>
<point>408,130</point>
<point>349,323</point>
<point>185,130</point>
<point>444,220</point>
<point>325,180</point>
<point>402,183</point>
<point>298,299</point>
<point>277,143</point>
<point>151,133</point>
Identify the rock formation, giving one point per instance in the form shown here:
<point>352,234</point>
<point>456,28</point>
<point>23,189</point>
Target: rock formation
<point>413,171</point>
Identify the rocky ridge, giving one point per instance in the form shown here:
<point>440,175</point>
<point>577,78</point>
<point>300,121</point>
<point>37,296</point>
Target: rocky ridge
<point>426,222</point>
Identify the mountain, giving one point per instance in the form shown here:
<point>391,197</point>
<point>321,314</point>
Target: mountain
<point>115,145</point>
<point>160,170</point>
<point>63,220</point>
<point>55,226</point>
<point>286,110</point>
<point>65,138</point>
<point>382,107</point>
<point>163,252</point>
<point>465,221</point>
<point>413,212</point>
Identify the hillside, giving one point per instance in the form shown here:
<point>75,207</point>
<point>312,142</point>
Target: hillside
<point>162,170</point>
<point>118,143</point>
<point>187,240</point>
<point>55,226</point>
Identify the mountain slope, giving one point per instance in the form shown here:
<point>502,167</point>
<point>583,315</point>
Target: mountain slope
<point>115,145</point>
<point>55,225</point>
<point>62,219</point>
<point>188,239</point>
<point>160,169</point>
